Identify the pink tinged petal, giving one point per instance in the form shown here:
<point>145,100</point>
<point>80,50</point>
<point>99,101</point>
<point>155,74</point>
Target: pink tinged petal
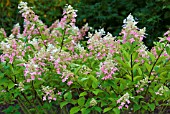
<point>54,99</point>
<point>168,38</point>
<point>136,60</point>
<point>128,101</point>
<point>11,59</point>
<point>120,107</point>
<point>47,93</point>
<point>49,98</point>
<point>165,54</point>
<point>141,38</point>
<point>156,93</point>
<point>81,56</point>
<point>136,86</point>
<point>58,71</point>
<point>126,106</point>
<point>13,54</point>
<point>132,40</point>
<point>69,83</point>
<point>44,98</point>
<point>141,89</point>
<point>122,103</point>
<point>39,78</point>
<point>33,77</point>
<point>112,51</point>
<point>35,18</point>
<point>23,53</point>
<point>137,91</point>
<point>59,93</point>
<point>166,33</point>
<point>99,54</point>
<point>64,66</point>
<point>118,101</point>
<point>28,80</point>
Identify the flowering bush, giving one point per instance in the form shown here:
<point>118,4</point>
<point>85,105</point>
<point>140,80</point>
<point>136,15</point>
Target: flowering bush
<point>51,70</point>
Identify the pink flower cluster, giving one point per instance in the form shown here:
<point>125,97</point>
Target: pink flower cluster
<point>162,90</point>
<point>142,53</point>
<point>141,84</point>
<point>48,93</point>
<point>101,46</point>
<point>11,49</point>
<point>16,29</point>
<point>2,31</point>
<point>124,101</point>
<point>130,31</point>
<point>108,68</point>
<point>168,35</point>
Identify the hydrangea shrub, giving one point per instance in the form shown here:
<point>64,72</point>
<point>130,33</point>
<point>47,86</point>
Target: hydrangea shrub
<point>52,70</point>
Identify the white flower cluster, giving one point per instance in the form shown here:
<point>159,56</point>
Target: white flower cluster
<point>124,101</point>
<point>23,7</point>
<point>141,84</point>
<point>162,90</point>
<point>129,22</point>
<point>93,102</point>
<point>48,93</point>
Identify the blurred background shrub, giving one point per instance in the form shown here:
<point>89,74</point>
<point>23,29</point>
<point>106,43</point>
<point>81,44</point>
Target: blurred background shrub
<point>107,14</point>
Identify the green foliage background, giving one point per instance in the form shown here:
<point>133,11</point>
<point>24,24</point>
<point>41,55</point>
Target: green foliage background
<point>152,14</point>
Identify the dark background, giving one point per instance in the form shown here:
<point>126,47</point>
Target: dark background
<point>107,14</point>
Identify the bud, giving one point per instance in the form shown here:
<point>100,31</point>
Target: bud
<point>93,102</point>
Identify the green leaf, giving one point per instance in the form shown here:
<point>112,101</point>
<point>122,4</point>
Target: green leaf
<point>139,71</point>
<point>148,66</point>
<point>97,109</point>
<point>85,111</point>
<point>168,50</point>
<point>97,91</point>
<point>68,95</point>
<point>83,94</point>
<point>83,79</point>
<point>107,109</point>
<point>74,110</point>
<point>10,85</point>
<point>63,104</point>
<point>31,46</point>
<point>60,30</point>
<point>94,81</point>
<point>151,56</point>
<point>137,78</point>
<point>152,106</point>
<point>129,77</point>
<point>81,101</point>
<point>116,110</point>
<point>136,107</point>
<point>1,75</point>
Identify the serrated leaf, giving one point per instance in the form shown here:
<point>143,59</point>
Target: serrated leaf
<point>137,78</point>
<point>139,71</point>
<point>85,111</point>
<point>136,107</point>
<point>107,109</point>
<point>97,108</point>
<point>11,85</point>
<point>81,101</point>
<point>83,94</point>
<point>83,79</point>
<point>63,104</point>
<point>128,77</point>
<point>68,95</point>
<point>116,110</point>
<point>148,67</point>
<point>152,106</point>
<point>97,91</point>
<point>74,110</point>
